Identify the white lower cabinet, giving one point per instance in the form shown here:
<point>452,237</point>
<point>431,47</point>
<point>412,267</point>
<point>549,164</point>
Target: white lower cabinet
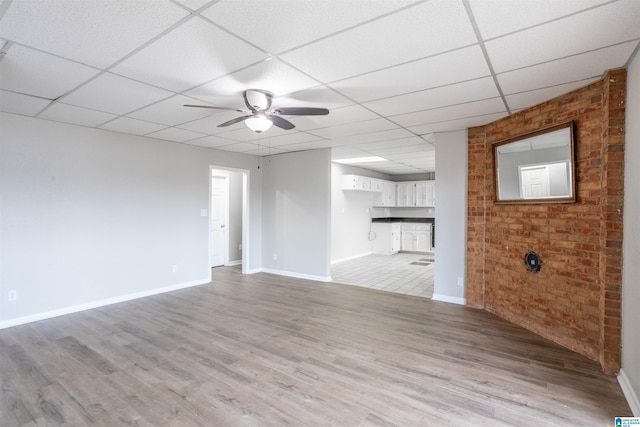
<point>416,237</point>
<point>385,237</point>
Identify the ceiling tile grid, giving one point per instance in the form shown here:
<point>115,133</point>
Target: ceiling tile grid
<point>392,72</point>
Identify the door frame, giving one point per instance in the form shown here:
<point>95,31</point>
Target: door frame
<point>245,218</point>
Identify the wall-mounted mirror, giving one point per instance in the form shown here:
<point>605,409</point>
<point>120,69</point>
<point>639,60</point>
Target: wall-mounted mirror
<point>537,167</point>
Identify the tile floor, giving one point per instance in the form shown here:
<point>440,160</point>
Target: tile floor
<point>405,273</point>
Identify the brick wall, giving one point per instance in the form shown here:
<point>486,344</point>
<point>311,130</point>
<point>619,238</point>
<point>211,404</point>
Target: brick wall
<point>575,299</point>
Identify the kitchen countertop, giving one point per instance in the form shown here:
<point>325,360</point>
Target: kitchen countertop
<point>402,219</point>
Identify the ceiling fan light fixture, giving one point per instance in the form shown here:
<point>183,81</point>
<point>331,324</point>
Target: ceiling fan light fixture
<point>258,123</point>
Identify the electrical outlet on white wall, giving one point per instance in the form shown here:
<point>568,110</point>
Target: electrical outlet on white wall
<point>12,296</point>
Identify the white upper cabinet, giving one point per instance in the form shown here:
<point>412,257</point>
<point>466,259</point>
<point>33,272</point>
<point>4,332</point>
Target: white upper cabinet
<point>416,193</point>
<point>356,182</point>
<point>376,185</point>
<point>393,194</point>
<point>425,193</point>
<point>388,195</point>
<point>362,183</point>
<point>405,194</point>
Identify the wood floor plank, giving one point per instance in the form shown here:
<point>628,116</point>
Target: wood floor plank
<point>266,350</point>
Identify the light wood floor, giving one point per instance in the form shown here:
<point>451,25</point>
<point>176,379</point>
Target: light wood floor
<point>264,350</point>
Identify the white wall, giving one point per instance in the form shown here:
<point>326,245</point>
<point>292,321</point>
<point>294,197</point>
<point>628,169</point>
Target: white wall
<point>90,216</point>
<point>350,214</point>
<point>297,214</point>
<point>630,375</point>
<point>451,216</point>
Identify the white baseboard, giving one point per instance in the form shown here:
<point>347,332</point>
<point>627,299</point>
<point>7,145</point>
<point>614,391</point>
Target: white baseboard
<point>99,303</point>
<point>349,258</point>
<point>629,393</point>
<point>447,298</point>
<point>297,275</point>
<point>232,263</point>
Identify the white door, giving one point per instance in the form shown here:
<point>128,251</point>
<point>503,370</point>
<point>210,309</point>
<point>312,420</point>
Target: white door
<point>219,201</point>
<point>535,182</point>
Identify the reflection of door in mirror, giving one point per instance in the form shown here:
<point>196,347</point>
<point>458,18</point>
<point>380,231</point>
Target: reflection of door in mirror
<point>536,167</point>
<point>534,182</point>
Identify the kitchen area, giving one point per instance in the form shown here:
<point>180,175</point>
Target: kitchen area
<point>392,246</point>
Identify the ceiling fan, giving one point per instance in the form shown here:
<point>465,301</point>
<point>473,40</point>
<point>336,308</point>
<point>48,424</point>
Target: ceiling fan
<point>261,115</point>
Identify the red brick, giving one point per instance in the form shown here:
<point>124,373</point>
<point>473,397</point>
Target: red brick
<point>575,298</point>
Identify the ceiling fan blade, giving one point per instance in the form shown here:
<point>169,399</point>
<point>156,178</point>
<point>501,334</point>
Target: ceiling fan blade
<point>280,122</point>
<point>301,111</point>
<point>234,121</point>
<point>216,108</point>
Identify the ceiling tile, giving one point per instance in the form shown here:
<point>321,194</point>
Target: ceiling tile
<point>383,135</point>
<point>131,126</point>
<point>460,124</point>
<point>573,68</point>
<point>318,96</point>
<point>96,33</point>
<point>21,104</point>
<point>348,152</point>
<point>212,141</point>
<point>338,116</point>
<point>310,145</point>
<point>403,142</point>
<point>265,151</point>
<point>78,116</point>
<point>497,17</point>
<point>35,73</point>
<point>413,149</point>
<point>534,97</point>
<point>188,56</point>
<point>111,93</point>
<point>596,28</point>
<point>291,137</point>
<point>241,147</point>
<point>175,134</point>
<point>440,70</point>
<point>458,111</point>
<point>194,4</point>
<point>171,111</point>
<point>209,124</point>
<point>272,75</point>
<point>459,93</point>
<point>355,128</point>
<point>301,21</point>
<point>396,39</point>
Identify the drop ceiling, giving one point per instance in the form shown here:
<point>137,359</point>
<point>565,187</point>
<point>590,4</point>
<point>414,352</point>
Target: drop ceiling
<point>393,72</point>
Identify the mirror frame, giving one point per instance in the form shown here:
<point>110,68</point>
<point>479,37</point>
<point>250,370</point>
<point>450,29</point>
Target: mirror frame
<point>569,199</point>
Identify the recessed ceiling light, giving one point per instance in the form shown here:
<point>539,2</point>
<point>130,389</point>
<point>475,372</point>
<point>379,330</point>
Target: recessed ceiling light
<point>361,160</point>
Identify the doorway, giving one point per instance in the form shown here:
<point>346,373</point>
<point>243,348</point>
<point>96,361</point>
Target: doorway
<point>219,240</point>
<point>229,217</point>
